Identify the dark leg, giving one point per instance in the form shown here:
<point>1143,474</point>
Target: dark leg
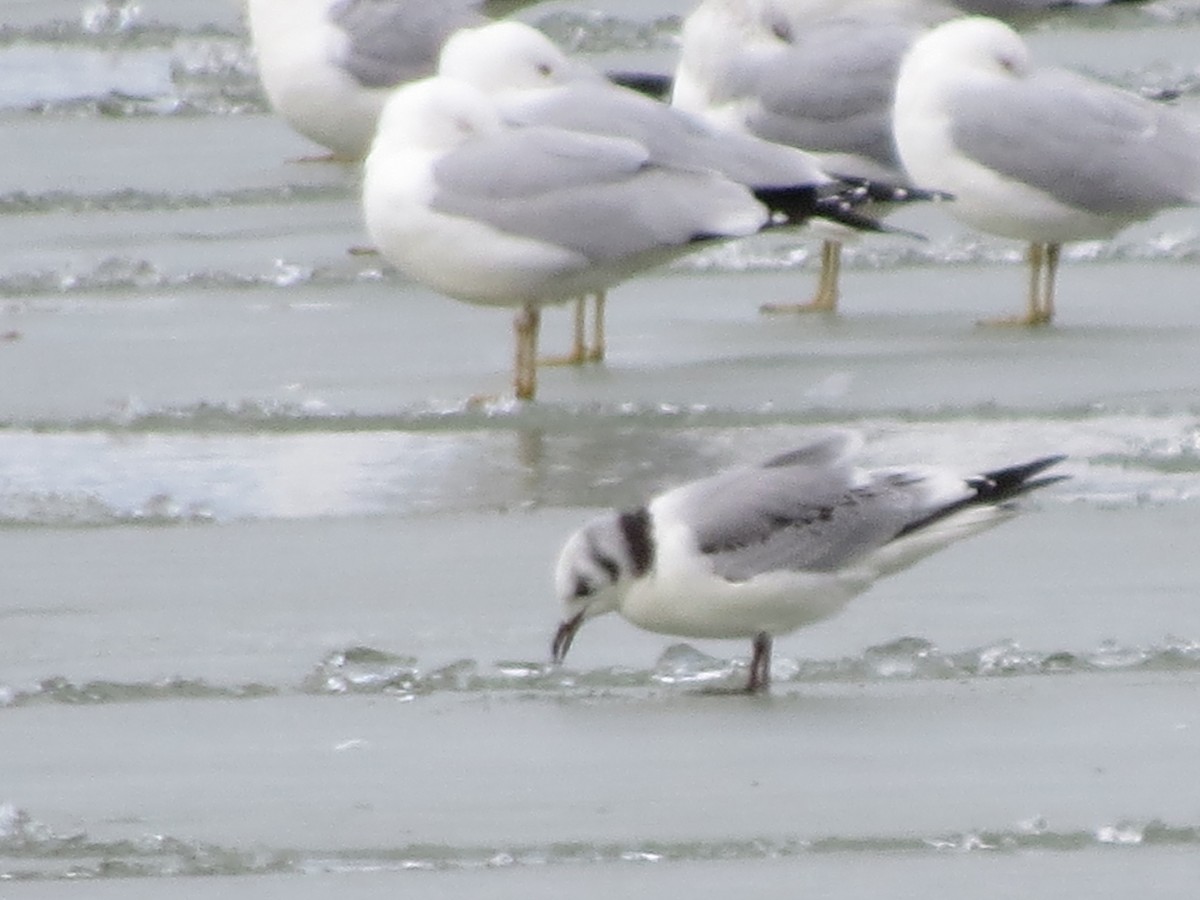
<point>1051,265</point>
<point>760,664</point>
<point>596,351</point>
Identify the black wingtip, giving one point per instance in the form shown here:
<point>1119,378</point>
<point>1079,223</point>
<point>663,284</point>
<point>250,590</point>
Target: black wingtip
<point>652,84</point>
<point>1012,481</point>
<point>869,190</point>
<point>796,205</point>
<point>995,488</point>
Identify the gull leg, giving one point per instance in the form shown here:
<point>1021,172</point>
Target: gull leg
<point>1046,314</point>
<point>1035,313</point>
<point>760,664</point>
<point>578,353</point>
<point>826,298</point>
<point>525,327</point>
<point>596,351</point>
<point>581,352</point>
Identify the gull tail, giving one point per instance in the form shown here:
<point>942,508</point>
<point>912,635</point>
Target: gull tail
<point>945,523</point>
<point>994,489</point>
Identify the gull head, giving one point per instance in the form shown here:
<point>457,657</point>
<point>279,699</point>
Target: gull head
<point>974,45</point>
<point>506,56</point>
<point>596,566</point>
<point>436,115</point>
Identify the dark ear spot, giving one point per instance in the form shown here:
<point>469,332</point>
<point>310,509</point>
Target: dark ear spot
<point>609,565</point>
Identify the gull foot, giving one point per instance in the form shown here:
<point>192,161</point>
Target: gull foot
<point>574,358</point>
<point>323,158</point>
<point>1033,320</point>
<point>812,306</point>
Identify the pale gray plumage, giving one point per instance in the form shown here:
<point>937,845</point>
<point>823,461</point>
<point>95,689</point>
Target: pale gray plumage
<point>671,136</point>
<point>593,195</point>
<point>1089,146</point>
<point>809,510</point>
<point>799,100</point>
<point>389,42</point>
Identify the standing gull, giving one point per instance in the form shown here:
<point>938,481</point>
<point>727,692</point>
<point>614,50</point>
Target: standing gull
<point>1039,155</point>
<point>814,74</point>
<point>534,83</point>
<point>328,66</point>
<point>759,552</point>
<point>505,216</point>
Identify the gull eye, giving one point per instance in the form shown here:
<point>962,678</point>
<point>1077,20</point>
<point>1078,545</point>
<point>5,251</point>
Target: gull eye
<point>545,70</point>
<point>583,588</point>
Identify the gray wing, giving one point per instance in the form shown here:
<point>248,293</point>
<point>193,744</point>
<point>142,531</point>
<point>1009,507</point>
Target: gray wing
<point>1088,145</point>
<point>798,514</point>
<point>831,91</point>
<point>591,194</point>
<point>390,42</point>
<point>672,137</point>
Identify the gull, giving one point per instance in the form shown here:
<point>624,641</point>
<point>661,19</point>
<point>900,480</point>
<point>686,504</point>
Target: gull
<point>1037,154</point>
<point>328,66</point>
<point>814,74</point>
<point>534,83</point>
<point>498,215</point>
<point>762,551</point>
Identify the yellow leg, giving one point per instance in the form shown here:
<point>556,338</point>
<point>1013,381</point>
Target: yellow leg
<point>826,297</point>
<point>577,355</point>
<point>1043,264</point>
<point>581,352</point>
<point>525,327</point>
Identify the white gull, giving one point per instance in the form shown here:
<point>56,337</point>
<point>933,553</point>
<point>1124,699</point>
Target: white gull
<point>534,83</point>
<point>498,215</point>
<point>328,66</point>
<point>759,552</point>
<point>1037,154</point>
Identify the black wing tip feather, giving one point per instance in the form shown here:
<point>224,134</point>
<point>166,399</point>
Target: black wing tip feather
<point>995,488</point>
<point>653,84</point>
<point>868,190</point>
<point>1012,481</point>
<point>796,205</point>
